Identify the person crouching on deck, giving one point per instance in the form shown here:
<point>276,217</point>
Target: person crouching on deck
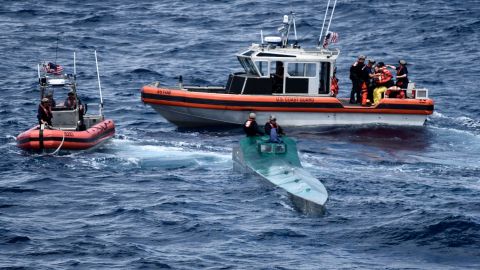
<point>273,129</point>
<point>251,127</point>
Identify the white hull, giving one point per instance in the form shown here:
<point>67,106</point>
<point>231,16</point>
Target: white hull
<point>196,117</point>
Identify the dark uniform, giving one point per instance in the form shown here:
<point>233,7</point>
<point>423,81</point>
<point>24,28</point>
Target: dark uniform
<point>356,77</point>
<point>44,113</point>
<point>251,128</point>
<point>402,82</point>
<point>269,125</point>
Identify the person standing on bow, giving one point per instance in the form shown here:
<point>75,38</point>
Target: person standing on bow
<point>357,79</point>
<point>251,127</point>
<point>44,114</point>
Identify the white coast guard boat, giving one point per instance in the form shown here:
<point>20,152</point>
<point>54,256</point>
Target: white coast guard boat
<point>282,78</point>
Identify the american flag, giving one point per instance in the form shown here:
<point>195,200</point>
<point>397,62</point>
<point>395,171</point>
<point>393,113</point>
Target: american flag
<point>53,68</point>
<point>331,37</point>
<point>58,70</point>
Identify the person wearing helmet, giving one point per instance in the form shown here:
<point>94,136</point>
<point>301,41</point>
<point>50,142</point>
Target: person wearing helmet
<point>273,129</point>
<point>402,78</point>
<point>251,127</point>
<point>272,123</point>
<point>44,114</point>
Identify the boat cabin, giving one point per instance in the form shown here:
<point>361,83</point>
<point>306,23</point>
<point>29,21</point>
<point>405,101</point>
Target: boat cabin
<point>273,70</point>
<point>57,88</point>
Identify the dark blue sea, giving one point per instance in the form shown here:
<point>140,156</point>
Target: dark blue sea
<point>159,197</point>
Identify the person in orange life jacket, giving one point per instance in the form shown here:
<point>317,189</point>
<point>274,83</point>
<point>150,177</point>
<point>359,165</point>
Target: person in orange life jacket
<point>357,79</point>
<point>44,114</point>
<point>273,129</point>
<point>383,80</point>
<point>334,85</point>
<point>402,78</point>
<point>251,127</point>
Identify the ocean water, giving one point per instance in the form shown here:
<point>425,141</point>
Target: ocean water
<point>159,197</point>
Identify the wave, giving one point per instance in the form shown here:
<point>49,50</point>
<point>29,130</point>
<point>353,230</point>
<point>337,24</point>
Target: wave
<point>451,231</point>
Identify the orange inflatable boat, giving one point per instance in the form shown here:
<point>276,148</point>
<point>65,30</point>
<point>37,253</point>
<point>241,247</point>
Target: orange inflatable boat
<point>38,139</point>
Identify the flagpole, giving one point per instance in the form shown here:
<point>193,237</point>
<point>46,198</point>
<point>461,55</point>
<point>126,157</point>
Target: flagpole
<point>331,17</point>
<point>99,85</point>
<point>323,24</point>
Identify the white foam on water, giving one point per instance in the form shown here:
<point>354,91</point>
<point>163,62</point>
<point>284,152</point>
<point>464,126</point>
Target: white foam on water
<point>182,152</point>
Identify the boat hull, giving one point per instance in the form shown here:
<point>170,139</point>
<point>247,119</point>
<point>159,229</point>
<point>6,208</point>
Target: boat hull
<point>307,194</point>
<point>35,139</point>
<point>198,109</point>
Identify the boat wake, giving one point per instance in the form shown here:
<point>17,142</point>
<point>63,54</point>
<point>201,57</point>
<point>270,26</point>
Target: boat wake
<point>156,154</point>
<point>460,123</point>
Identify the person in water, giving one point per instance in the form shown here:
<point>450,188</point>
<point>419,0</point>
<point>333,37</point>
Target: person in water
<point>44,114</point>
<point>273,129</point>
<point>251,127</point>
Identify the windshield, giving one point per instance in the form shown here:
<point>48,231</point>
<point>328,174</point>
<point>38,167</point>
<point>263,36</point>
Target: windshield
<point>248,65</point>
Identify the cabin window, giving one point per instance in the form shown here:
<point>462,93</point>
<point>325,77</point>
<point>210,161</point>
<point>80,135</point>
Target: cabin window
<point>302,69</point>
<point>248,65</point>
<point>324,73</point>
<point>262,67</point>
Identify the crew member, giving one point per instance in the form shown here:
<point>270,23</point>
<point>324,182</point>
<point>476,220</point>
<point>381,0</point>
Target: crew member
<point>44,114</point>
<point>71,101</point>
<point>278,78</point>
<point>383,81</point>
<point>273,129</point>
<point>334,85</point>
<point>357,79</point>
<point>402,77</point>
<point>251,127</point>
<point>51,100</point>
<point>272,123</point>
<point>368,75</point>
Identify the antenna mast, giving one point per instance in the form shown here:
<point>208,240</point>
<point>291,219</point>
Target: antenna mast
<point>99,85</point>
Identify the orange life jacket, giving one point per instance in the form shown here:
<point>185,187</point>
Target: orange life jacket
<point>335,85</point>
<point>386,76</point>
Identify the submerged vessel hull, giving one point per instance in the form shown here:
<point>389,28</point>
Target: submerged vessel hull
<point>307,194</point>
